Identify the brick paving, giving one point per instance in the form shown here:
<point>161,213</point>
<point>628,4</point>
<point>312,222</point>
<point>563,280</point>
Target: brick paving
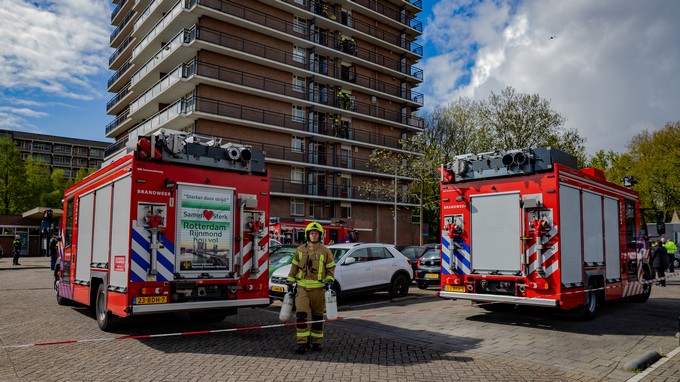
<point>417,339</point>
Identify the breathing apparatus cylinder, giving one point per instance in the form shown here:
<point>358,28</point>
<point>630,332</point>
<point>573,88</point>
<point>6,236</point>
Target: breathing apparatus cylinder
<point>331,305</point>
<point>287,307</point>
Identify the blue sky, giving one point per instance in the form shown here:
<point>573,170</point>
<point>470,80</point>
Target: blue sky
<point>610,67</point>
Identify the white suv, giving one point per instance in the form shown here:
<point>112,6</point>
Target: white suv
<point>360,267</point>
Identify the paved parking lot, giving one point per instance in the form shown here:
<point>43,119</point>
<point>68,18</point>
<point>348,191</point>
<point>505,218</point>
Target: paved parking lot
<point>420,338</point>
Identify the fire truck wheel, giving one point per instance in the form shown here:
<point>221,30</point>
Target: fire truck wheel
<point>399,286</point>
<point>104,317</point>
<point>593,302</point>
<point>61,300</point>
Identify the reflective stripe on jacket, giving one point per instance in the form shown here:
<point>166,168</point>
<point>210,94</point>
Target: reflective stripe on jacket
<point>312,266</point>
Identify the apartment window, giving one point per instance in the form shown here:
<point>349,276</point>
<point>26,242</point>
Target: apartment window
<point>298,114</point>
<point>298,84</point>
<point>299,25</point>
<point>42,146</point>
<point>297,144</point>
<point>81,150</point>
<point>345,210</point>
<point>42,158</point>
<point>315,209</point>
<point>297,175</point>
<point>299,54</point>
<point>61,160</point>
<point>62,149</point>
<point>97,153</point>
<point>297,207</point>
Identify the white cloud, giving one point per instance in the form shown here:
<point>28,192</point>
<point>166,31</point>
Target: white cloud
<point>610,68</point>
<point>54,47</point>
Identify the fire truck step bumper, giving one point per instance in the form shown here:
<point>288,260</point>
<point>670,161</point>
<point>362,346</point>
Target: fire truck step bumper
<point>500,298</point>
<point>199,305</point>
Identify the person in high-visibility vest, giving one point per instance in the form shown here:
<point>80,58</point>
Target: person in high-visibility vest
<point>312,270</point>
<point>671,248</point>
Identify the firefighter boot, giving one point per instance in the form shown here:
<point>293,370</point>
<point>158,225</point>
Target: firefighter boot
<point>301,349</point>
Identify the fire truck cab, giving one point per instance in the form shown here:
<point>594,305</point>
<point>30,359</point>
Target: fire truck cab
<point>175,225</point>
<point>292,231</point>
<point>526,227</point>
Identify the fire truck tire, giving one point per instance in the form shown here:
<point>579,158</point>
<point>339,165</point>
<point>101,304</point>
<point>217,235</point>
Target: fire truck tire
<point>399,285</point>
<point>593,302</point>
<point>61,300</point>
<point>103,316</point>
<point>646,290</point>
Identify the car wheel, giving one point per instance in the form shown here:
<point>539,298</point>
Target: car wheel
<point>422,284</point>
<point>399,286</point>
<point>676,263</point>
<point>646,289</point>
<point>60,300</point>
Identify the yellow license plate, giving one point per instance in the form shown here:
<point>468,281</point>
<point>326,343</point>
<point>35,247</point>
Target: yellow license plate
<point>454,288</point>
<point>432,275</point>
<point>277,289</point>
<point>150,300</point>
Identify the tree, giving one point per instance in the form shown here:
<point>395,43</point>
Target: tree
<point>12,178</point>
<point>653,159</point>
<point>512,120</point>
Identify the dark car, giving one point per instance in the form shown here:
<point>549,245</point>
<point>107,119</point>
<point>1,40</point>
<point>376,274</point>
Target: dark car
<point>413,253</point>
<point>429,269</point>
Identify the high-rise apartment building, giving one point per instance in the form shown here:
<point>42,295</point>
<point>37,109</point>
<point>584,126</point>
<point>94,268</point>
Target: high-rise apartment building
<point>320,86</point>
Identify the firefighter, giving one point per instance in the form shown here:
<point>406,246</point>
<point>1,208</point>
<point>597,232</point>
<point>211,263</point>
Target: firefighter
<point>17,249</point>
<point>312,272</point>
<point>671,248</point>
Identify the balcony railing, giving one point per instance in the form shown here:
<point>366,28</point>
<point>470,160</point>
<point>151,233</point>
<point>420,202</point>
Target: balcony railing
<point>122,93</point>
<point>118,121</point>
<point>391,13</point>
<point>117,9</point>
<point>120,27</point>
<point>120,49</point>
<point>285,186</point>
<point>119,73</point>
<point>158,28</point>
<point>292,29</point>
<point>280,24</point>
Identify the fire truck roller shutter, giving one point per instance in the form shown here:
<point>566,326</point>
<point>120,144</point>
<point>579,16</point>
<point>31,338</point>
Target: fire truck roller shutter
<point>593,236</point>
<point>611,238</point>
<point>84,245</point>
<point>120,233</point>
<point>495,233</point>
<point>571,265</point>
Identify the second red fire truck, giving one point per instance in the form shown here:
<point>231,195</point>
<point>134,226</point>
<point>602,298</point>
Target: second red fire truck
<point>526,227</point>
<point>176,225</point>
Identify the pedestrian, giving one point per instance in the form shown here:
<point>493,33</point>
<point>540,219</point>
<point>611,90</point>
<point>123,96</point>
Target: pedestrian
<point>53,248</point>
<point>17,249</point>
<point>660,262</point>
<point>312,270</point>
<point>671,248</point>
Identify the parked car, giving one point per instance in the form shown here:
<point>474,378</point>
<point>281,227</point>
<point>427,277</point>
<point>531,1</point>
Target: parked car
<point>433,245</point>
<point>360,268</point>
<point>429,269</point>
<point>413,253</point>
<point>280,256</point>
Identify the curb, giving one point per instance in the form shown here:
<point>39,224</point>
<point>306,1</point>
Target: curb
<point>643,361</point>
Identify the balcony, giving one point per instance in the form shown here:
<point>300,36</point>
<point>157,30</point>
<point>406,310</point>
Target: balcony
<point>117,99</point>
<point>289,28</point>
<point>121,9</point>
<point>179,17</point>
<point>278,24</point>
<point>121,76</point>
<point>121,119</point>
<point>117,57</point>
<point>391,13</point>
<point>123,29</point>
<point>343,193</point>
<point>170,87</point>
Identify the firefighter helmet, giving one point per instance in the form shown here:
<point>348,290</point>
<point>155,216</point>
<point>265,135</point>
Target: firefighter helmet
<point>314,226</point>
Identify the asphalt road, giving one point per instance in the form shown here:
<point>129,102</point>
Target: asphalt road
<point>418,338</point>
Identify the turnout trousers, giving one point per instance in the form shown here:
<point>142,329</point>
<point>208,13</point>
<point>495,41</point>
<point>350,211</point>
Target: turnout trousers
<point>309,305</point>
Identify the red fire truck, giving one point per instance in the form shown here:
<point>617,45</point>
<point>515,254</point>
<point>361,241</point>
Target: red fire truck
<point>292,231</point>
<point>526,227</point>
<point>176,225</point>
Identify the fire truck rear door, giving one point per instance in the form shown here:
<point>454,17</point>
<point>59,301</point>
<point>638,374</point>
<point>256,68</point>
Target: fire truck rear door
<point>495,233</point>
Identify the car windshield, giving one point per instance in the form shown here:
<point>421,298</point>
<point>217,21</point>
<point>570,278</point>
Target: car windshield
<point>282,257</point>
<point>338,253</point>
<point>430,254</point>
